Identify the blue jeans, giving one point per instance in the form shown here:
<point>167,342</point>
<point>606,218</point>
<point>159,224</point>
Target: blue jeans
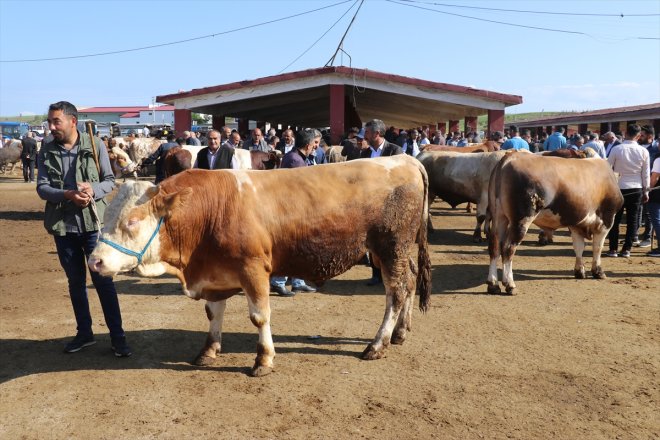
<point>281,281</point>
<point>654,211</point>
<point>73,251</point>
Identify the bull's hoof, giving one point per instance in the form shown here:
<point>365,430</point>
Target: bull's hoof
<point>398,337</point>
<point>260,370</point>
<point>598,274</point>
<point>369,354</point>
<point>477,238</point>
<point>511,290</point>
<point>203,360</point>
<point>494,289</point>
<point>579,274</point>
<point>543,242</point>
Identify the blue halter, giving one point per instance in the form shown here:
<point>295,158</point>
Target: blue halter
<point>130,252</point>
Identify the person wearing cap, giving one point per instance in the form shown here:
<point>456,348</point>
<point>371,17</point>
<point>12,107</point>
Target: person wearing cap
<point>516,142</point>
<point>352,145</point>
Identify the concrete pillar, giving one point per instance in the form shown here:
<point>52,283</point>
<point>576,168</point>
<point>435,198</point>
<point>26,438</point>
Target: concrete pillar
<point>442,127</point>
<point>453,126</point>
<point>495,121</point>
<point>337,112</point>
<point>182,121</point>
<point>470,124</point>
<point>217,122</point>
<point>656,127</point>
<point>243,126</point>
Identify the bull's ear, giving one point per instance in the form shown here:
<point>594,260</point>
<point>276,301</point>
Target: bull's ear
<point>165,205</point>
<point>153,191</point>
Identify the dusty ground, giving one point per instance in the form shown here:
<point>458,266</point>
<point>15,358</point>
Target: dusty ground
<point>563,359</point>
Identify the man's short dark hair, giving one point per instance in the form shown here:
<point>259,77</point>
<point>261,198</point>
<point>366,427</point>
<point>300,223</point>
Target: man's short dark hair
<point>66,107</point>
<point>180,141</point>
<point>171,137</point>
<point>376,126</point>
<point>633,130</point>
<point>560,129</point>
<point>593,136</point>
<point>648,129</point>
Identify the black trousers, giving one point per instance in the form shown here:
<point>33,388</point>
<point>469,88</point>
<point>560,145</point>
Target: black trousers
<point>28,170</point>
<point>632,199</point>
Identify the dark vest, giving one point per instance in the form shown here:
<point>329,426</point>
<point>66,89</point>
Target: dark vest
<point>222,161</point>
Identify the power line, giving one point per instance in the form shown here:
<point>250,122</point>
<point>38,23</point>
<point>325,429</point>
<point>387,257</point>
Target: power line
<point>171,43</point>
<point>622,15</point>
<point>319,39</point>
<point>341,42</point>
<point>562,31</point>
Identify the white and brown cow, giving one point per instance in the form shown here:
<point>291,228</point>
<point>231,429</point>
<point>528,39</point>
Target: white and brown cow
<point>458,178</point>
<point>229,230</point>
<point>550,192</point>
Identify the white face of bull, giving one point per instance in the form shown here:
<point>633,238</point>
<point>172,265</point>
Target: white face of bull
<point>130,220</point>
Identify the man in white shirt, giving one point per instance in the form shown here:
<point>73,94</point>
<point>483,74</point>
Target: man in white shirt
<point>631,162</point>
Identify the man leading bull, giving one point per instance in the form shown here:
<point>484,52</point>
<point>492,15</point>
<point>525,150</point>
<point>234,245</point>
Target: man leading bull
<point>72,185</point>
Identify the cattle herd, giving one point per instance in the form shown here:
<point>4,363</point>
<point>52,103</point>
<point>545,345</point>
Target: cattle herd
<point>376,206</point>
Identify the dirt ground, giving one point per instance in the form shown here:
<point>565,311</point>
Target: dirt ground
<point>563,359</point>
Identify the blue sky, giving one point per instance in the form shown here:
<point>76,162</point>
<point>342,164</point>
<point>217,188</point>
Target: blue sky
<point>608,67</point>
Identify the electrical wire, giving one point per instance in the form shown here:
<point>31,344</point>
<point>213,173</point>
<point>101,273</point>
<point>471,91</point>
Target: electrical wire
<point>171,43</point>
<point>522,11</point>
<point>562,31</point>
<point>319,39</point>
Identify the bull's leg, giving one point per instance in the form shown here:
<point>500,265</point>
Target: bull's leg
<point>404,323</point>
<point>495,241</point>
<point>578,247</point>
<point>481,216</point>
<point>468,209</point>
<point>395,281</point>
<point>546,237</point>
<point>514,236</point>
<point>215,311</point>
<point>257,290</point>
<point>429,224</point>
<point>598,241</point>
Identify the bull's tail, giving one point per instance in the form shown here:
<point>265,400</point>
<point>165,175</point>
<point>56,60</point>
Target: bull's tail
<point>423,260</point>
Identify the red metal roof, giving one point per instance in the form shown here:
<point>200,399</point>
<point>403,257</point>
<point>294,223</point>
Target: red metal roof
<point>613,113</point>
<point>124,109</point>
<point>130,115</point>
<point>349,73</point>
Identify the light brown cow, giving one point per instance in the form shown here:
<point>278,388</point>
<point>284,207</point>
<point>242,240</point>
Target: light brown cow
<point>550,192</point>
<point>229,230</point>
<point>488,146</point>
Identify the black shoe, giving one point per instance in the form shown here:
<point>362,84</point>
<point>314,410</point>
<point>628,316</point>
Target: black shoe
<point>304,288</point>
<point>282,291</point>
<point>120,347</point>
<point>81,341</point>
<point>374,282</point>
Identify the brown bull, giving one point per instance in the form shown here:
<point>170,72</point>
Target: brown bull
<point>488,146</point>
<point>551,193</point>
<point>230,230</point>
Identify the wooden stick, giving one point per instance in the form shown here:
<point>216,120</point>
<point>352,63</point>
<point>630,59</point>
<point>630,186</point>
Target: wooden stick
<point>91,137</point>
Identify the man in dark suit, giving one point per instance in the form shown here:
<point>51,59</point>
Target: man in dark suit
<point>28,156</point>
<point>374,134</point>
<point>610,142</point>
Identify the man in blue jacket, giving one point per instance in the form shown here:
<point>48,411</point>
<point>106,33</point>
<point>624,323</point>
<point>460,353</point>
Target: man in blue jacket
<point>556,141</point>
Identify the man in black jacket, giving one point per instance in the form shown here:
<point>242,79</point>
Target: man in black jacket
<point>216,156</point>
<point>28,156</point>
<point>374,134</point>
